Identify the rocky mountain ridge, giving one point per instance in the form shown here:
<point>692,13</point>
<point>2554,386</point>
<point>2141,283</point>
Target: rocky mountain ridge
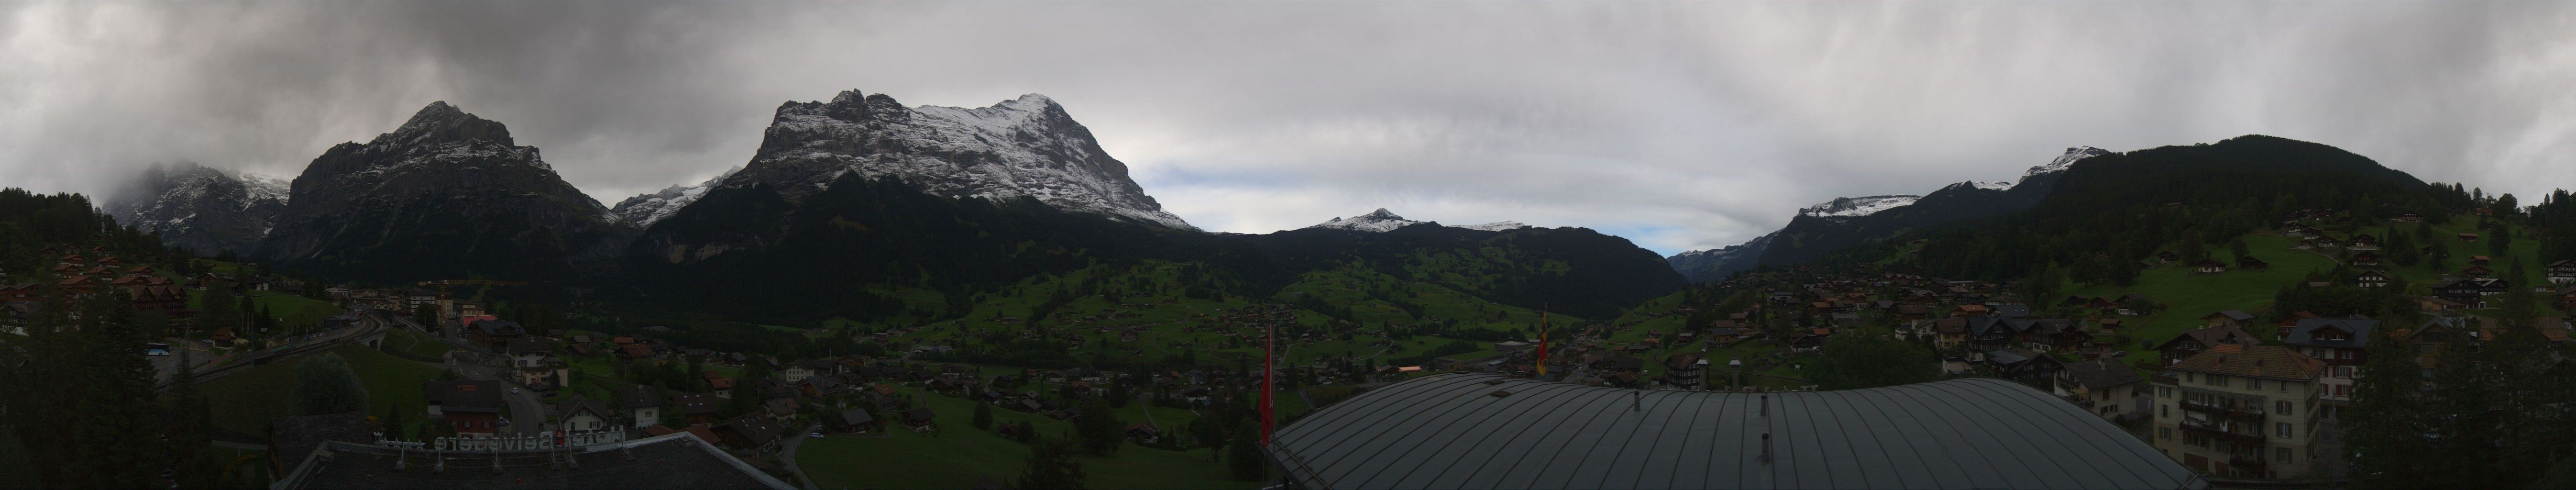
<point>200,207</point>
<point>446,195</point>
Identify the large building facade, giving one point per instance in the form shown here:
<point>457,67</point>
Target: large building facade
<point>2242,411</point>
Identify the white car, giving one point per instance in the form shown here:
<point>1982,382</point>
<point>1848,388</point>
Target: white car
<point>514,391</point>
<point>817,435</point>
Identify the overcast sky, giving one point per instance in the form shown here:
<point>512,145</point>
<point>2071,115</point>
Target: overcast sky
<point>1679,126</point>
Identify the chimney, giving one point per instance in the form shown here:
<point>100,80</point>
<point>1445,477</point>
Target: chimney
<point>1766,449</point>
<point>1637,403</point>
<point>1766,412</point>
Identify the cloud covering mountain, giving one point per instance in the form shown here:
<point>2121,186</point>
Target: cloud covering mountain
<point>1682,126</point>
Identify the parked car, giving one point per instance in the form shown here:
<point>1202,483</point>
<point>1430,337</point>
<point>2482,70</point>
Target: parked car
<point>817,435</point>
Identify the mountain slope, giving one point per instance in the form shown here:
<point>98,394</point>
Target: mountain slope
<point>2123,207</point>
<point>1717,263</point>
<point>200,208</point>
<point>1844,222</point>
<point>447,195</point>
<point>830,252</point>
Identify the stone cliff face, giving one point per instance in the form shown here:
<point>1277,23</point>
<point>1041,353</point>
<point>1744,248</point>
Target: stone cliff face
<point>447,195</point>
<point>201,208</point>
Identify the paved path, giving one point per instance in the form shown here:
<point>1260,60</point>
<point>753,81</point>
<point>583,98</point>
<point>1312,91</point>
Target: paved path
<point>787,455</point>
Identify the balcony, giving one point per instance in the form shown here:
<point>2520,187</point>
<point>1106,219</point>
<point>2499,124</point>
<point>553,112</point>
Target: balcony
<point>2241,412</point>
<point>2246,434</point>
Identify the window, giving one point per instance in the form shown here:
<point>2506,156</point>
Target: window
<point>2217,380</point>
<point>2284,454</point>
<point>2284,407</point>
<point>2164,433</point>
<point>2191,376</point>
<point>2284,428</point>
<point>2253,384</point>
<point>2165,411</point>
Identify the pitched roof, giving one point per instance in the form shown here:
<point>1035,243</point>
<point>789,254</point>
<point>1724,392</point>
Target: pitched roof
<point>2103,373</point>
<point>2212,336</point>
<point>2356,331</point>
<point>464,395</point>
<point>2257,361</point>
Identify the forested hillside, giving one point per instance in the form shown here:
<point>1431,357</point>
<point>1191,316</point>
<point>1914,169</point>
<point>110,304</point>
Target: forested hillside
<point>837,253</point>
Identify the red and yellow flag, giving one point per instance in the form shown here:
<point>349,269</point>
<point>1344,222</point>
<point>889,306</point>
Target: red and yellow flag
<point>1542,343</point>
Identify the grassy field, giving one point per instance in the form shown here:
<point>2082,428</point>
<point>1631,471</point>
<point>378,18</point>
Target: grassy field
<point>415,343</point>
<point>290,309</point>
<point>245,401</point>
<point>959,455</point>
<point>2186,297</point>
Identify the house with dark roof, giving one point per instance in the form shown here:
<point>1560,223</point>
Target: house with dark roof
<point>852,421</point>
<point>750,433</point>
<point>642,406</point>
<point>695,408</point>
<point>2192,342</point>
<point>2342,344</point>
<point>2104,387</point>
<point>2227,318</point>
<point>494,334</point>
<point>2030,367</point>
<point>473,408</point>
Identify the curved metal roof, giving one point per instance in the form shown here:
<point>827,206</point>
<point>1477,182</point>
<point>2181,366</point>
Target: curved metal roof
<point>1451,431</point>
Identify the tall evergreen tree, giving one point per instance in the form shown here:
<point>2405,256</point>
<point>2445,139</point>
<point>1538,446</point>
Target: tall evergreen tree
<point>1051,466</point>
<point>325,384</point>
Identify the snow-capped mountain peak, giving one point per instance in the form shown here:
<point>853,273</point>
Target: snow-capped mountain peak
<point>1025,146</point>
<point>645,209</point>
<point>1382,220</point>
<point>2065,160</point>
<point>1857,206</point>
<point>1992,185</point>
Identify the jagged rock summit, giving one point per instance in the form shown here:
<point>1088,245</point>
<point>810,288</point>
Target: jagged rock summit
<point>199,207</point>
<point>1382,220</point>
<point>1026,146</point>
<point>445,195</point>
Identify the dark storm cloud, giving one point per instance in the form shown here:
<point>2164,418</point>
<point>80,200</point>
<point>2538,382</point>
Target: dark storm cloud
<point>1681,126</point>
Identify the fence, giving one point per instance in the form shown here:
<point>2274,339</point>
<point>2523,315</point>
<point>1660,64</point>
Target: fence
<point>520,443</point>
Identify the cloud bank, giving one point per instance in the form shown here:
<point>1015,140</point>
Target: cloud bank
<point>1680,126</point>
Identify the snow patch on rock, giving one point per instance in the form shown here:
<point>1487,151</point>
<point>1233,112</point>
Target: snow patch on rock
<point>1382,220</point>
<point>645,209</point>
<point>1857,206</point>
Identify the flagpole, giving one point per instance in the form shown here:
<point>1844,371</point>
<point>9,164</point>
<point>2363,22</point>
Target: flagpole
<point>1269,349</point>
